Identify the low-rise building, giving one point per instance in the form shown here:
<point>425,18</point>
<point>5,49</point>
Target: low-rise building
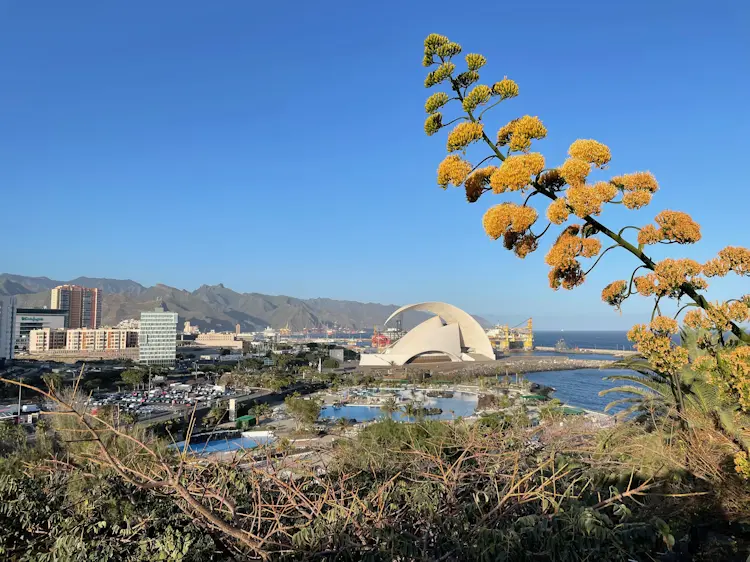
<point>82,341</point>
<point>223,339</point>
<point>43,340</point>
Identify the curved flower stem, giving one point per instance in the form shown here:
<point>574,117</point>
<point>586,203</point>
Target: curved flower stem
<point>676,314</point>
<point>546,228</point>
<point>482,162</point>
<point>600,257</point>
<point>624,228</point>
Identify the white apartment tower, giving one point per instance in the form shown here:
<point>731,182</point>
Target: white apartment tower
<point>158,338</point>
<point>7,321</point>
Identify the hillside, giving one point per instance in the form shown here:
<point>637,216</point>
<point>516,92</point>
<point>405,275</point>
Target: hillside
<point>212,306</point>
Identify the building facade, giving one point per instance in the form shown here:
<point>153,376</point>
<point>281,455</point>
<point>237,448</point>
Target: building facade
<point>83,305</point>
<point>82,340</point>
<point>158,338</point>
<point>7,319</point>
<point>28,319</point>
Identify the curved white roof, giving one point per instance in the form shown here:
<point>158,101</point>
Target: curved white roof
<point>471,333</point>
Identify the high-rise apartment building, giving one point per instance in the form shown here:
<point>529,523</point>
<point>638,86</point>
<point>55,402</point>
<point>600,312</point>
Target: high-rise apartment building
<point>158,338</point>
<point>83,304</point>
<point>7,319</point>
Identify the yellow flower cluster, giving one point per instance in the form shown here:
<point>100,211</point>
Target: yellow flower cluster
<point>475,61</point>
<point>463,135</point>
<point>648,235</point>
<point>575,171</point>
<point>605,191</point>
<point>590,151</point>
<point>669,275</point>
<point>637,181</point>
<point>664,326</point>
<point>505,89</point>
<point>584,200</point>
<point>477,181</point>
<point>431,43</point>
<point>447,50</point>
<point>705,364</point>
<point>441,73</point>
<point>558,211</point>
<point>435,102</point>
<point>636,199</point>
<point>452,170</point>
<point>524,245</point>
<point>519,133</point>
<point>697,319</point>
<point>479,95</point>
<point>508,217</point>
<point>674,226</point>
<point>433,123</point>
<point>721,314</point>
<point>738,362</point>
<point>515,172</point>
<point>615,293</point>
<point>562,258</point>
<point>655,344</point>
<point>731,258</point>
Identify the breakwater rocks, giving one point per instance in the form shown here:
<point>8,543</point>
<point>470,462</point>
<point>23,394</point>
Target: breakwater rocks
<point>519,365</point>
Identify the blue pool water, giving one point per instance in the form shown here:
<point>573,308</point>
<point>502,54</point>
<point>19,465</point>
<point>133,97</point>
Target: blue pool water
<point>222,445</point>
<point>462,404</point>
<point>581,387</point>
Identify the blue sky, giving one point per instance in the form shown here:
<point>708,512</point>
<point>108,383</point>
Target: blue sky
<point>278,147</point>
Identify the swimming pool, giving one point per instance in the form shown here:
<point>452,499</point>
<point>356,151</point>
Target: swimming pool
<point>222,445</point>
<point>462,404</point>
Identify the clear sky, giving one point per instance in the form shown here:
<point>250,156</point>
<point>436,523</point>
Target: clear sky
<point>278,147</point>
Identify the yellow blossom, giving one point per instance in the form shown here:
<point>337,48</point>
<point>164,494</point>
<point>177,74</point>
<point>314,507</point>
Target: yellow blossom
<point>558,211</point>
<point>605,191</point>
<point>584,200</point>
<point>568,278</point>
<point>564,251</point>
<point>525,245</point>
<point>615,293</point>
<point>508,217</point>
<point>697,319</point>
<point>636,199</point>
<point>649,235</point>
<point>477,181</point>
<point>505,88</point>
<point>669,276</point>
<point>441,73</point>
<point>645,285</point>
<point>637,181</point>
<point>519,133</point>
<point>435,102</point>
<point>479,95</point>
<point>590,151</point>
<point>731,258</point>
<point>704,363</point>
<point>433,123</point>
<point>590,247</point>
<point>515,172</point>
<point>679,227</point>
<point>464,134</point>
<point>738,362</point>
<point>664,326</point>
<point>575,171</point>
<point>453,170</point>
<point>475,61</point>
<point>657,347</point>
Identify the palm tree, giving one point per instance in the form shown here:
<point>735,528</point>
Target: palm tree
<point>655,393</point>
<point>389,406</point>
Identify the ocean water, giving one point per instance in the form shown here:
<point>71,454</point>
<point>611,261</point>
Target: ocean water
<point>462,404</point>
<point>586,340</point>
<point>581,387</point>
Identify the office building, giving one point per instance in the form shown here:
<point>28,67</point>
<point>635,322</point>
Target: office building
<point>28,319</point>
<point>158,338</point>
<point>7,317</point>
<point>83,304</point>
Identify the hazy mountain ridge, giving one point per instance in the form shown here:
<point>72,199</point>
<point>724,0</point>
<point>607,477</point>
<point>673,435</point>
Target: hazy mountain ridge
<point>212,306</point>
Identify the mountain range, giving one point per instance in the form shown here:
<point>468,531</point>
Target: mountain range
<point>212,307</point>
